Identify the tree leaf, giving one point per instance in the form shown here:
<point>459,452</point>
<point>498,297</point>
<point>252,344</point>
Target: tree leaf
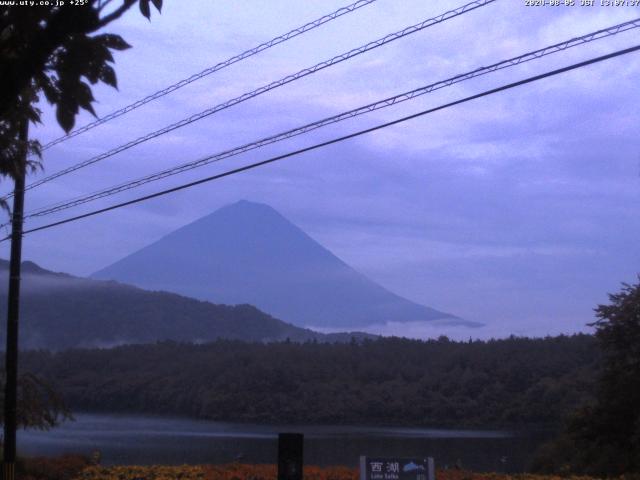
<point>85,97</point>
<point>65,116</point>
<point>144,9</point>
<point>157,4</point>
<point>114,42</point>
<point>51,93</point>
<point>108,76</point>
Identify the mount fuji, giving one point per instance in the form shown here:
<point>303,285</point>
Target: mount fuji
<point>247,252</point>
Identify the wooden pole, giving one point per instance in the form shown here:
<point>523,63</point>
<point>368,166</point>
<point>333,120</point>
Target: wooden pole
<point>11,353</point>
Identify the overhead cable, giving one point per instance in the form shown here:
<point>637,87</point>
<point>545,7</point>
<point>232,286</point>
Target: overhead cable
<point>266,88</point>
<point>336,140</point>
<point>533,55</point>
<point>208,71</point>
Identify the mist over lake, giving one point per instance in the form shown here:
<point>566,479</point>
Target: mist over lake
<point>145,440</point>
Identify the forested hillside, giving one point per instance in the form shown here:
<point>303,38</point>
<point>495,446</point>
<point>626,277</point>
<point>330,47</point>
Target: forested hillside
<point>513,382</point>
<point>61,311</point>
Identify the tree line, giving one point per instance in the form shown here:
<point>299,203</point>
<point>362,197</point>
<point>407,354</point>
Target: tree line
<point>515,382</point>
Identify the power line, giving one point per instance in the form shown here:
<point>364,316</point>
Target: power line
<point>558,47</point>
<point>273,85</point>
<point>208,71</point>
<point>339,139</point>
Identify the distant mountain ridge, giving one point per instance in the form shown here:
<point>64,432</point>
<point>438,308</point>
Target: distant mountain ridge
<point>60,311</point>
<point>249,253</point>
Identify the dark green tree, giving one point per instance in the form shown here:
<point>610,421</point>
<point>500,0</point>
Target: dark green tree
<point>54,51</point>
<point>40,406</point>
<point>604,438</point>
<point>614,422</point>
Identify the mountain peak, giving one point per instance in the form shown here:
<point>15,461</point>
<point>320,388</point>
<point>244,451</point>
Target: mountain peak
<point>246,206</point>
<point>29,267</point>
<point>244,209</point>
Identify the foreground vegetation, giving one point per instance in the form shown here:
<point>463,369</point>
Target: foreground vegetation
<point>79,468</point>
<point>514,382</point>
<point>269,472</point>
<point>603,436</point>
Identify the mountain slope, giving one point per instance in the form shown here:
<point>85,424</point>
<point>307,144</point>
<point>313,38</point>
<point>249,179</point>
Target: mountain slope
<point>249,253</point>
<point>60,311</point>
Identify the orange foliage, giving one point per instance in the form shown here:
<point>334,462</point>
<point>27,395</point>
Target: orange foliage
<point>269,472</point>
<point>210,472</point>
<point>66,467</point>
<point>73,467</point>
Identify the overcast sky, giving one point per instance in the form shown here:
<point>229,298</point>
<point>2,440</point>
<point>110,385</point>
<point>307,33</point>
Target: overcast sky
<point>519,210</point>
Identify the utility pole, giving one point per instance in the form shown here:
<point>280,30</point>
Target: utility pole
<point>11,353</point>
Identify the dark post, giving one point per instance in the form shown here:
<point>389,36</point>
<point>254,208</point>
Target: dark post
<point>11,354</point>
<point>290,455</point>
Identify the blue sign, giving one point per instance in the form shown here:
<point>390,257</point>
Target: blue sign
<point>387,468</point>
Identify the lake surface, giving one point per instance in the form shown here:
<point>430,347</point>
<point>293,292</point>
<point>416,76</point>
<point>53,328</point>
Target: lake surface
<point>127,439</point>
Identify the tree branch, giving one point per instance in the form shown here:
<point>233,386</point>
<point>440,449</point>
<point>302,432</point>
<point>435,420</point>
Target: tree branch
<point>116,13</point>
<point>102,4</point>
